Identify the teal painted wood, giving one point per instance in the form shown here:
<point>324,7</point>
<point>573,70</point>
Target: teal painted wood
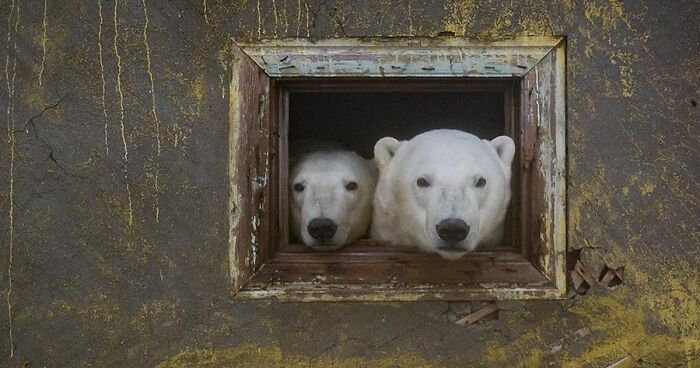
<point>399,57</point>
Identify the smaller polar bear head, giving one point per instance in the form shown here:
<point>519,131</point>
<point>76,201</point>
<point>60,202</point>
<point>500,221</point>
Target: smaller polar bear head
<point>330,195</point>
<point>445,191</point>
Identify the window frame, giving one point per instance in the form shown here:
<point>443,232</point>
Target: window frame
<point>263,74</point>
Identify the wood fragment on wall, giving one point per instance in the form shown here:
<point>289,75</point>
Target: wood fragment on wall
<point>623,363</point>
<point>478,315</point>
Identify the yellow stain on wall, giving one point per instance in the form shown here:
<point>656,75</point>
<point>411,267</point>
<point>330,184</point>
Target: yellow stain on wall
<point>198,88</point>
<point>652,318</point>
<point>620,326</point>
<point>647,188</point>
<point>608,17</point>
<point>502,23</point>
<point>526,350</point>
<point>250,356</point>
<point>95,308</point>
<point>610,14</point>
<point>461,16</point>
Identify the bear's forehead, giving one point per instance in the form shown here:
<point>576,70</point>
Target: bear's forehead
<point>457,161</point>
<point>327,171</point>
<point>330,163</point>
<point>444,155</point>
<point>453,168</point>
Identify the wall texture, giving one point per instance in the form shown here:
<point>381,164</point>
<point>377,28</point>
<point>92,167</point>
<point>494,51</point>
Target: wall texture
<point>113,189</point>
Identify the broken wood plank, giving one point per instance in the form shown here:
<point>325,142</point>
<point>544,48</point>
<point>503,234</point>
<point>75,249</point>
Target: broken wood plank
<point>478,315</point>
<point>623,363</point>
<point>584,273</point>
<point>611,278</point>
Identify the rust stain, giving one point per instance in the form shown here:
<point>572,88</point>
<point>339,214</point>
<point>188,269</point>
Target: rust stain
<point>154,112</point>
<point>150,75</point>
<point>410,18</point>
<point>119,81</point>
<point>11,36</point>
<point>260,22</point>
<point>298,16</point>
<point>285,17</point>
<point>130,219</point>
<point>102,75</point>
<point>43,43</point>
<point>205,11</point>
<point>308,19</point>
<point>275,16</point>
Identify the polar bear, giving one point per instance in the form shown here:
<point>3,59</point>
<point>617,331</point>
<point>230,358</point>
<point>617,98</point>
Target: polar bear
<point>330,195</point>
<point>444,191</point>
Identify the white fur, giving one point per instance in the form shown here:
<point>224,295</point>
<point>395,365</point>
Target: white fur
<point>452,161</point>
<point>324,170</point>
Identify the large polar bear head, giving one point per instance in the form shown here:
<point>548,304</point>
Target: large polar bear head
<point>445,191</point>
<point>330,195</point>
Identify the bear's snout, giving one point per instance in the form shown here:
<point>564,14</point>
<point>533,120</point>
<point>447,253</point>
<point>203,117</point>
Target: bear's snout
<point>452,230</point>
<point>322,229</point>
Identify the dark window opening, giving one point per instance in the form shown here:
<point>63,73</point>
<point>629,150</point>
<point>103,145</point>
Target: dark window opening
<point>359,119</point>
<point>358,113</point>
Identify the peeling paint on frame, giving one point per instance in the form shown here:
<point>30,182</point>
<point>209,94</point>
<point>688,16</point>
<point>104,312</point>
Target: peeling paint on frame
<point>423,57</point>
<point>398,57</point>
<point>234,201</point>
<point>248,166</point>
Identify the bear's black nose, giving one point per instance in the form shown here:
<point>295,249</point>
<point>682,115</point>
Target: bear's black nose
<point>452,230</point>
<point>322,229</point>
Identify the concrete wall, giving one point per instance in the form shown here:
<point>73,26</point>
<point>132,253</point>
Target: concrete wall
<point>113,189</point>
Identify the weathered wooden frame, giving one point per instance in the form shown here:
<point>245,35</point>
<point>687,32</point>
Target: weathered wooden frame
<point>260,268</point>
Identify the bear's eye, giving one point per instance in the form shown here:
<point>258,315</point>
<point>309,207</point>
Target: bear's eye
<point>422,182</point>
<point>480,183</point>
<point>298,188</point>
<point>351,186</point>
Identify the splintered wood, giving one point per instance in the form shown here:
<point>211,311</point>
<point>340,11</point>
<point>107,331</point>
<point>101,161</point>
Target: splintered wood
<point>611,278</point>
<point>477,315</point>
<point>625,362</point>
<point>581,278</point>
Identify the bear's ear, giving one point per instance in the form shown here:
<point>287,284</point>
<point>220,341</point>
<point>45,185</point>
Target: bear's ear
<point>505,148</point>
<point>384,151</point>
